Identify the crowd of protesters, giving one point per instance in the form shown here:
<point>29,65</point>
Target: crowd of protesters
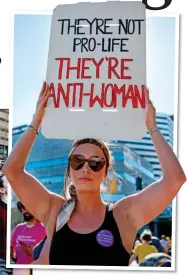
<point>149,250</point>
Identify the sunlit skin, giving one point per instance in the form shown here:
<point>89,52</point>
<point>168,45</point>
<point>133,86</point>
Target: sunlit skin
<point>130,213</point>
<point>87,184</point>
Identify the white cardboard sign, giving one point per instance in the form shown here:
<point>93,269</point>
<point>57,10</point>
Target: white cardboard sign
<point>97,72</point>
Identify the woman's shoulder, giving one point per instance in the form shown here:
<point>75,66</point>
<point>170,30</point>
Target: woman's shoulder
<point>122,212</point>
<point>57,201</point>
<point>123,205</point>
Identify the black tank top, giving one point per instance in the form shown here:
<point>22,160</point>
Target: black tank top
<point>102,247</point>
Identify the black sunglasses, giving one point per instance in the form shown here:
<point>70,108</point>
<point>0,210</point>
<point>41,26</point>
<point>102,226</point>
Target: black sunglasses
<point>95,163</point>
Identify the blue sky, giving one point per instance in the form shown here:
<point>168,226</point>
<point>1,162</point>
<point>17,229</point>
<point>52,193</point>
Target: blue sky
<point>31,40</point>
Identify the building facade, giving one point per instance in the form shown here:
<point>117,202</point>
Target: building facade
<point>4,124</point>
<point>145,147</point>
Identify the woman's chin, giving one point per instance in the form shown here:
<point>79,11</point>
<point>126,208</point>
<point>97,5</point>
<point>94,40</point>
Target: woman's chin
<point>87,188</point>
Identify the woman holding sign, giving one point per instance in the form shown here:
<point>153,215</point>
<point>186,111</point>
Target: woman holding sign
<point>81,223</point>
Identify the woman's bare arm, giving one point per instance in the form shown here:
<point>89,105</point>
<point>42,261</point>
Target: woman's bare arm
<point>35,197</point>
<point>153,200</point>
<point>146,205</point>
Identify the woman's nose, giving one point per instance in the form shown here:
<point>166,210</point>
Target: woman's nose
<point>86,166</point>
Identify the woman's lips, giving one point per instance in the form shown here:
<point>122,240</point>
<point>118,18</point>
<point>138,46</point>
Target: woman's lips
<point>85,179</point>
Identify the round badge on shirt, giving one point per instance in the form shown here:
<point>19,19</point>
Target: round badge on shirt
<point>105,238</point>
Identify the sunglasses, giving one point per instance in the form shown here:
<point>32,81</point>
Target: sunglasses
<point>95,163</point>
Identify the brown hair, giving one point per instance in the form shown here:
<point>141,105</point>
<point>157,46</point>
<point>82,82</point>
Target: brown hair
<point>146,235</point>
<point>101,144</point>
<point>20,206</point>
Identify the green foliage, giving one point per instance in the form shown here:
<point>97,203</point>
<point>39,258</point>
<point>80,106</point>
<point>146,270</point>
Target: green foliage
<point>16,217</point>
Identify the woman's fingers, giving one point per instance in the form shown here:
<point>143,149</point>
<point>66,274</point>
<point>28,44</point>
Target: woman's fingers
<point>43,89</point>
<point>147,99</point>
<point>147,96</point>
<point>45,96</point>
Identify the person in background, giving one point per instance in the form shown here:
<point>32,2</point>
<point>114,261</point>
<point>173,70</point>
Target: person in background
<point>25,236</point>
<point>137,242</point>
<point>156,242</point>
<point>3,224</point>
<point>164,243</point>
<point>144,248</point>
<point>169,240</point>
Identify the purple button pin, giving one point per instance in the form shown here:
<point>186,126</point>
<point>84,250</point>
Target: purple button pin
<point>105,238</point>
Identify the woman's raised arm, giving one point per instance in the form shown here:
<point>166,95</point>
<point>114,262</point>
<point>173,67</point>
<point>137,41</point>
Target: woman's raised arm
<point>35,197</point>
<point>146,205</point>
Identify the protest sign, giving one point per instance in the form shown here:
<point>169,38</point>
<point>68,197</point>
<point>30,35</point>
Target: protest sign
<point>97,71</point>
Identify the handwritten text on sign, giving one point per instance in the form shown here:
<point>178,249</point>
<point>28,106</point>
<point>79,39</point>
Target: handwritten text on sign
<point>96,71</point>
<point>108,91</point>
<point>100,26</point>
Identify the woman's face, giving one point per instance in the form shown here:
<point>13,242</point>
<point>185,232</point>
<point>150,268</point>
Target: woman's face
<point>85,179</point>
